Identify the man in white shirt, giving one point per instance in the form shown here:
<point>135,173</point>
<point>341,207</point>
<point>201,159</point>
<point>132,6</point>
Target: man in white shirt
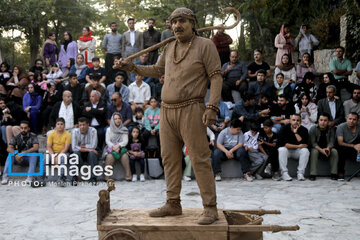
<point>333,107</point>
<point>140,94</point>
<point>66,109</point>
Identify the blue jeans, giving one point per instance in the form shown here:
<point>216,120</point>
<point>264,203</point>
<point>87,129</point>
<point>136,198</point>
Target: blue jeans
<point>91,158</point>
<point>3,133</point>
<point>27,161</point>
<point>240,155</point>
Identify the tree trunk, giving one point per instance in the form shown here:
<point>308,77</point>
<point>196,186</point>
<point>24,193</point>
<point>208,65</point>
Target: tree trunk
<point>34,41</point>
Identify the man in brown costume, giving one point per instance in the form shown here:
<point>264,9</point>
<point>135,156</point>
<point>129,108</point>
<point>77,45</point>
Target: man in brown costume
<point>189,63</point>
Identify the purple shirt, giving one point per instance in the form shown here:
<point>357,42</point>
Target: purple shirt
<point>64,56</point>
<point>50,51</point>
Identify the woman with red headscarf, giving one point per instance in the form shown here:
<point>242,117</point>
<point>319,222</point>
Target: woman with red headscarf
<point>86,45</point>
<point>285,43</point>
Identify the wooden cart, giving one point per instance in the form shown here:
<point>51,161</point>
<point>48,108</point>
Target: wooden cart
<point>135,224</point>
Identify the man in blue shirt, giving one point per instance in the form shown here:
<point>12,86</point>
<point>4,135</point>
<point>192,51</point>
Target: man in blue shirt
<point>117,105</point>
<point>234,73</point>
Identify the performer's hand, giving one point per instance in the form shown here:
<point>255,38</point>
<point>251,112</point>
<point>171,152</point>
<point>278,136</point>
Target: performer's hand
<point>124,64</point>
<point>209,117</point>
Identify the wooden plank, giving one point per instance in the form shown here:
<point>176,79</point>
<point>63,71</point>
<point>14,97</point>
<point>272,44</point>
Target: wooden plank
<point>139,219</point>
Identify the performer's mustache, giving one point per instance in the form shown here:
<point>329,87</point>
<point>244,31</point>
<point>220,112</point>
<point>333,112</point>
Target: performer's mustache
<point>179,29</point>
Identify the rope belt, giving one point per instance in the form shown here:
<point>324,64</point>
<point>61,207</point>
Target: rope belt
<point>181,104</point>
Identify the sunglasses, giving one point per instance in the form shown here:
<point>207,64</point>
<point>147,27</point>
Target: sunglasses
<point>114,99</point>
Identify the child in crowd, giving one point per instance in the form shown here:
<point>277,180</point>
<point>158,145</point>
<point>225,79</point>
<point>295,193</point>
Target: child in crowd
<point>136,152</point>
<point>139,120</point>
<point>152,121</point>
<point>256,157</point>
<point>268,146</point>
<point>54,74</point>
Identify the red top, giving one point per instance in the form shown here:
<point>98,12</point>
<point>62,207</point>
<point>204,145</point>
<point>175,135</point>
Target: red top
<point>222,42</point>
<point>86,38</point>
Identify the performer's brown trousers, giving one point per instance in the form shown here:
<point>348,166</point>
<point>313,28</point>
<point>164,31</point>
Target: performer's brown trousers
<point>184,126</point>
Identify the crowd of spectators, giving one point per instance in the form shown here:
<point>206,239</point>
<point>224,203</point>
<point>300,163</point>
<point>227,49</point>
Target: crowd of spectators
<point>104,113</point>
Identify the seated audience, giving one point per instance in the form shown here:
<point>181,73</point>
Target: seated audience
<point>50,98</point>
<point>348,138</point>
<point>66,109</point>
<point>139,93</point>
<point>58,142</point>
<point>307,110</point>
<point>94,86</point>
<point>18,83</point>
<point>116,141</point>
<point>257,65</point>
<point>143,61</point>
<point>84,144</point>
<point>118,105</point>
<point>234,73</point>
<point>353,105</point>
<point>293,142</point>
<point>264,104</point>
<point>245,111</point>
<point>55,73</point>
<point>288,69</point>
<point>152,120</point>
<point>136,151</point>
<point>268,145</point>
<point>10,117</point>
<point>111,75</point>
<point>306,87</point>
<point>80,68</point>
<point>332,106</point>
<point>118,86</point>
<point>95,72</point>
<point>260,86</point>
<point>303,67</point>
<point>95,112</point>
<point>37,68</point>
<point>25,142</point>
<point>75,88</point>
<point>281,112</point>
<point>230,145</point>
<point>322,140</point>
<point>5,76</point>
<point>256,157</point>
<point>328,79</point>
<point>31,105</point>
<point>139,120</point>
<point>281,87</point>
<point>222,118</point>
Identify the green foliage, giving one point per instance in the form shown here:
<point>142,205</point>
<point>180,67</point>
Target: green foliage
<point>353,37</point>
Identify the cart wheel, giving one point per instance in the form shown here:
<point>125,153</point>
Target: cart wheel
<point>121,234</point>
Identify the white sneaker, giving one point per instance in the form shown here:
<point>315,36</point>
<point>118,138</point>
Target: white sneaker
<point>268,169</point>
<point>28,180</point>
<point>300,177</point>
<point>285,176</point>
<point>218,177</point>
<point>258,177</point>
<point>4,181</point>
<point>134,178</point>
<point>187,179</point>
<point>248,177</point>
<point>142,178</point>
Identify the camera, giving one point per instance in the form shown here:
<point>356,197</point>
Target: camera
<point>95,76</point>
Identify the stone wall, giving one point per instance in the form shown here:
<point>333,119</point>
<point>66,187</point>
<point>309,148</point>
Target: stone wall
<point>322,59</point>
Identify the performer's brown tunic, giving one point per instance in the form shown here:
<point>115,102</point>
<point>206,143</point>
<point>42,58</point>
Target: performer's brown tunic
<point>185,81</point>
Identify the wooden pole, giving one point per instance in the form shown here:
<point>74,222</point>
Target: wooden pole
<point>261,228</point>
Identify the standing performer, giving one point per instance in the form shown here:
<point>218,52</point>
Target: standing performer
<point>189,63</point>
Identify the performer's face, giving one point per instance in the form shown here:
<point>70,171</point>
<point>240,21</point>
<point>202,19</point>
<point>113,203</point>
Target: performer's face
<point>182,28</point>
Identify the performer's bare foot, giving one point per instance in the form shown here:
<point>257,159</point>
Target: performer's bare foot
<point>170,208</point>
<point>208,216</point>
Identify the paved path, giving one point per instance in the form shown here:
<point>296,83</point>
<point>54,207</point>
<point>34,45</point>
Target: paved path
<point>324,209</point>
